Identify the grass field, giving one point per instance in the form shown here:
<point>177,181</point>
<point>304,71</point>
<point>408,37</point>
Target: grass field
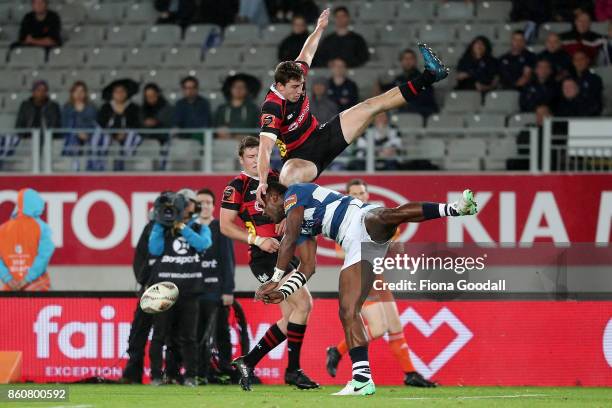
<point>117,396</point>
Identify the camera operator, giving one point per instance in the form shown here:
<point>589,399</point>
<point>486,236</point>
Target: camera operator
<point>177,241</point>
<point>218,266</point>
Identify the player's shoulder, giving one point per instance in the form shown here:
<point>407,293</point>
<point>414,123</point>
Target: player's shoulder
<point>302,189</point>
<point>238,181</point>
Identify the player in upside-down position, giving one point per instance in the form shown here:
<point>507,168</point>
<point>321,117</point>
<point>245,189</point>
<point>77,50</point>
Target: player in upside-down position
<point>311,210</point>
<point>308,147</point>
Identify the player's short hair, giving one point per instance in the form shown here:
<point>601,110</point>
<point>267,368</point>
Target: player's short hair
<point>286,71</point>
<point>209,192</point>
<point>247,142</point>
<point>518,32</point>
<point>341,9</point>
<point>356,182</point>
<point>189,78</point>
<point>276,187</point>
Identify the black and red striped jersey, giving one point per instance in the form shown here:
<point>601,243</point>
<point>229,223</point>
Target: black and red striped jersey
<point>239,195</point>
<point>291,123</point>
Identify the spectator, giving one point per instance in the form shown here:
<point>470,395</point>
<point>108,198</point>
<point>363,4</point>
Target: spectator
<point>425,102</point>
<point>559,59</point>
<point>39,111</point>
<point>80,114</point>
<point>321,106</point>
<point>605,56</point>
<point>179,12</point>
<point>291,46</point>
<point>193,110</point>
<point>218,267</point>
<point>529,10</point>
<point>572,102</point>
<point>387,144</point>
<point>40,27</point>
<point>221,13</point>
<point>156,111</point>
<point>516,66</point>
<point>122,115</point>
<point>590,84</point>
<point>581,38</point>
<point>341,90</point>
<point>541,90</point>
<point>253,11</point>
<point>343,43</point>
<point>26,246</point>
<point>567,10</point>
<point>239,112</point>
<point>477,68</point>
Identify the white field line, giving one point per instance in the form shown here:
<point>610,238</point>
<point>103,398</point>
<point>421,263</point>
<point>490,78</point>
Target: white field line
<point>477,397</point>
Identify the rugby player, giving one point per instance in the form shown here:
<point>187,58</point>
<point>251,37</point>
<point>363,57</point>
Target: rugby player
<point>380,311</point>
<point>308,147</point>
<point>263,239</point>
<point>311,210</point>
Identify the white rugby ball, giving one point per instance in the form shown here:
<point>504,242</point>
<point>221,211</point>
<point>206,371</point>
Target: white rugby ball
<point>159,297</point>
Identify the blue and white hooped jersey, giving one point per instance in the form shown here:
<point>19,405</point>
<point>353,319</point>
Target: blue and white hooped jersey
<point>326,211</point>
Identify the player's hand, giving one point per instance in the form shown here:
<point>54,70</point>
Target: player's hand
<point>323,19</point>
<point>273,297</point>
<point>266,288</point>
<point>270,245</point>
<point>261,191</point>
<point>227,300</point>
<point>279,229</point>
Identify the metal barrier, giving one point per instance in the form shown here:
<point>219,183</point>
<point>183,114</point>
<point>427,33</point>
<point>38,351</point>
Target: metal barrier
<point>215,150</point>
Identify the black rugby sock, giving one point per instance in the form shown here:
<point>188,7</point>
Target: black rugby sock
<point>273,337</point>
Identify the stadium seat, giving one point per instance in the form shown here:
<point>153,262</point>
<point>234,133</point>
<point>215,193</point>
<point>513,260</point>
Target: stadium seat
<point>467,32</point>
<point>455,11</point>
<point>275,33</point>
<point>5,13</point>
<point>26,57</point>
<point>600,27</point>
<point>140,13</point>
<point>183,57</point>
<point>19,10</point>
<point>494,11</point>
<point>504,31</point>
<point>93,78</point>
<point>61,97</point>
<point>498,151</point>
<point>105,57</point>
<point>13,101</point>
<point>55,78</point>
<point>450,55</point>
<point>606,76</point>
<point>241,34</point>
<point>65,58</point>
<point>427,149</point>
<point>223,57</point>
<point>465,154</point>
<point>70,13</point>
<point>89,36</point>
<point>167,80</point>
<point>7,121</point>
<point>384,56</point>
<point>184,154</point>
<point>225,151</point>
<point>436,34</point>
<point>260,57</point>
<point>501,101</point>
<point>368,31</point>
<point>418,10</point>
<point>445,121</point>
<point>10,82</point>
<point>377,12</point>
<point>124,36</point>
<point>216,99</point>
<point>8,34</point>
<point>407,121</point>
<point>462,101</point>
<point>553,27</point>
<point>521,120</point>
<point>396,34</point>
<point>165,34</point>
<point>489,120</point>
<point>114,74</point>
<point>196,35</point>
<point>143,57</point>
<point>104,13</point>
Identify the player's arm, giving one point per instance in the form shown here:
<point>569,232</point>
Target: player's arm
<point>312,42</point>
<point>230,229</point>
<point>266,144</point>
<point>289,241</point>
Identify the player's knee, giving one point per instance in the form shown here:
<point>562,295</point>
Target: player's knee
<point>348,313</point>
<point>303,303</point>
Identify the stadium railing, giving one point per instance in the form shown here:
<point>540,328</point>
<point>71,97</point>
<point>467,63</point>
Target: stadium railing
<point>205,150</point>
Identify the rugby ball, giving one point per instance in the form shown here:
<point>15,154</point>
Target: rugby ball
<point>159,297</point>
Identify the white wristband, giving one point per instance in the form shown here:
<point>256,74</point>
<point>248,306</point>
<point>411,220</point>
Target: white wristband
<point>278,275</point>
<point>259,240</point>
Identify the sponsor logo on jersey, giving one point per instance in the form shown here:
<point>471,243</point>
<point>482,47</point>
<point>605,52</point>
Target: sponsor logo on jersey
<point>267,120</point>
<point>290,202</point>
<point>228,194</point>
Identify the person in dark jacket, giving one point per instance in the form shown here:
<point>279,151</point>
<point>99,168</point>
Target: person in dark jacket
<point>177,241</point>
<point>321,105</point>
<point>343,43</point>
<point>581,38</point>
<point>193,110</point>
<point>573,102</point>
<point>516,66</point>
<point>291,46</point>
<point>591,84</point>
<point>39,111</point>
<point>541,90</point>
<point>179,12</point>
<point>142,322</point>
<point>477,68</point>
<point>340,88</point>
<point>218,265</point>
<point>560,60</point>
<point>156,111</point>
<point>41,27</point>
